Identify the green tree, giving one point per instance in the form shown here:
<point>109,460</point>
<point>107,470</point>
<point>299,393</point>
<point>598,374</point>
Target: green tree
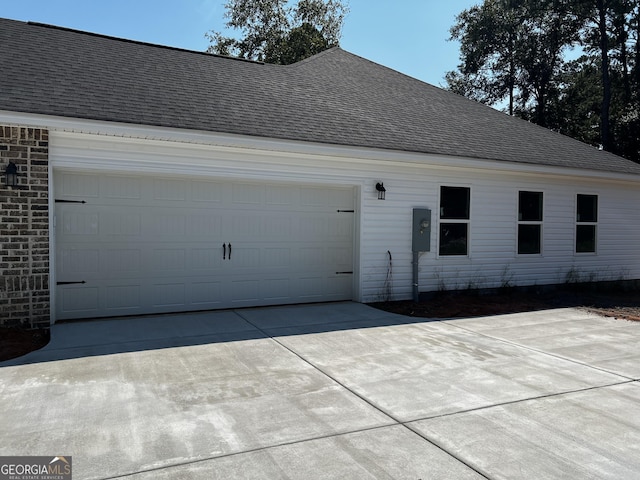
<point>514,51</point>
<point>488,35</point>
<point>606,33</point>
<point>273,31</point>
<point>577,104</point>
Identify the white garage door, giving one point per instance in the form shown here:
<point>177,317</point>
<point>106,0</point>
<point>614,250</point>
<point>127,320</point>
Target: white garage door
<point>141,245</point>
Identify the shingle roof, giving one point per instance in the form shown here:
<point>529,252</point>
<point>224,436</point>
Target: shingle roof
<point>334,97</point>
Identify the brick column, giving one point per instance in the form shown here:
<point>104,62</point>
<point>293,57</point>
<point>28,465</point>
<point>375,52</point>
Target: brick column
<point>24,228</point>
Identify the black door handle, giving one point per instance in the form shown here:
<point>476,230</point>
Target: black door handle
<point>229,251</point>
<point>224,251</point>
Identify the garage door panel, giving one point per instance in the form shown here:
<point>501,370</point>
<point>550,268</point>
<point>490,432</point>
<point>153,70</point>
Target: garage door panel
<point>169,294</point>
<point>82,262</point>
<point>77,185</point>
<point>281,195</point>
<point>312,227</point>
<point>79,302</point>
<point>315,196</point>
<point>277,228</point>
<point>309,287</point>
<point>338,284</point>
<point>205,225</point>
<point>247,194</point>
<point>206,294</point>
<point>276,289</point>
<point>341,257</point>
<point>277,257</point>
<point>121,188</point>
<point>340,198</point>
<point>149,245</point>
<point>79,223</point>
<point>123,297</point>
<point>121,224</point>
<point>206,259</point>
<point>208,192</point>
<point>121,262</point>
<point>244,291</point>
<point>246,225</point>
<point>340,228</point>
<point>170,189</point>
<point>79,262</point>
<point>172,260</point>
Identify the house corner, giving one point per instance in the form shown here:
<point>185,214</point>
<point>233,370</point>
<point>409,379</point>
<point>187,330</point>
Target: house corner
<point>24,227</point>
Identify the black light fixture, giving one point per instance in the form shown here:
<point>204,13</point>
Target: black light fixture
<point>381,190</point>
<point>11,175</point>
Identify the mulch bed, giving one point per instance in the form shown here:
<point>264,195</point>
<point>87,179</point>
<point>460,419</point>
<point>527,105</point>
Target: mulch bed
<point>624,305</point>
<point>15,342</point>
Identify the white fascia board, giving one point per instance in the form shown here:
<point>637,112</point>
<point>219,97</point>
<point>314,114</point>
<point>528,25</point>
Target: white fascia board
<point>294,149</point>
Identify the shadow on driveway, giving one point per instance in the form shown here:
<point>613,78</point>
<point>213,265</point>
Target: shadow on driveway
<point>77,339</point>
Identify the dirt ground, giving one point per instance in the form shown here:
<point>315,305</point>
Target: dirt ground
<point>15,342</point>
<point>623,305</point>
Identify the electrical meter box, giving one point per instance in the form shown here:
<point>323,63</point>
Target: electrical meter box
<point>421,236</point>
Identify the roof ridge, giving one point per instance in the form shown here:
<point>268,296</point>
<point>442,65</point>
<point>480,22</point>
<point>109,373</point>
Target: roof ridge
<point>316,56</point>
<point>137,42</point>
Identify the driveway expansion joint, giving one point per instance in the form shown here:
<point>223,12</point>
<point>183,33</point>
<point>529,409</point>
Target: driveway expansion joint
<point>543,352</point>
<point>396,421</point>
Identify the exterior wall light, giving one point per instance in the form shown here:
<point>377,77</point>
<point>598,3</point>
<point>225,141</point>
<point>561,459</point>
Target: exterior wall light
<point>11,175</point>
<point>381,190</point>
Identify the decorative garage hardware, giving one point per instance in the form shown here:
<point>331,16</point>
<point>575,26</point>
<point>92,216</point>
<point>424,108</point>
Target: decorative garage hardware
<point>71,283</point>
<point>11,175</point>
<point>224,251</point>
<point>381,190</point>
<point>344,273</point>
<point>69,201</point>
<point>345,211</point>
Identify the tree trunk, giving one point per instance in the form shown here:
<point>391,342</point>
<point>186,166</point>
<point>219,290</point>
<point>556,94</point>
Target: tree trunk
<point>605,125</point>
<point>621,23</point>
<point>637,62</point>
<point>512,86</point>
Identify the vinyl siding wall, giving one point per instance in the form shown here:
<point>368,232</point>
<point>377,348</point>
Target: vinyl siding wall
<point>492,261</point>
<point>383,226</point>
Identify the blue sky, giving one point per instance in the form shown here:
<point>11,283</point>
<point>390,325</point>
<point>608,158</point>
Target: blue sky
<point>407,35</point>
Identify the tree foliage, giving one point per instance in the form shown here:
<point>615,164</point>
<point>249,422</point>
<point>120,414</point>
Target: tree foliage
<point>273,31</point>
<point>522,54</point>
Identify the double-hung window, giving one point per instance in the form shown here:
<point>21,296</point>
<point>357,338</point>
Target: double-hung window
<point>586,223</point>
<point>454,220</point>
<point>529,223</point>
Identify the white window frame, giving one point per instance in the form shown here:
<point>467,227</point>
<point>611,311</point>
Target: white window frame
<point>540,223</point>
<point>579,223</point>
<point>466,221</point>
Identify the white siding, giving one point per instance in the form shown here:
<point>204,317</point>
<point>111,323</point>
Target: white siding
<point>411,181</point>
<point>492,260</point>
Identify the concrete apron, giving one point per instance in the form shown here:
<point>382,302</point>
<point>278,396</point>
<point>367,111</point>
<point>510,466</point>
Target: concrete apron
<point>331,391</point>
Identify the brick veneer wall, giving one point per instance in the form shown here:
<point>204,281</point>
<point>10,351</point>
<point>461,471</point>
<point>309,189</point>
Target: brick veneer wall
<point>24,228</point>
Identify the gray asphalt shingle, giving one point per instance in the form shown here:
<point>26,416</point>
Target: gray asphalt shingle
<point>334,97</point>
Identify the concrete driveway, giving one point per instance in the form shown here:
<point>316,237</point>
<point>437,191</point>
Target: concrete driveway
<point>331,391</point>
